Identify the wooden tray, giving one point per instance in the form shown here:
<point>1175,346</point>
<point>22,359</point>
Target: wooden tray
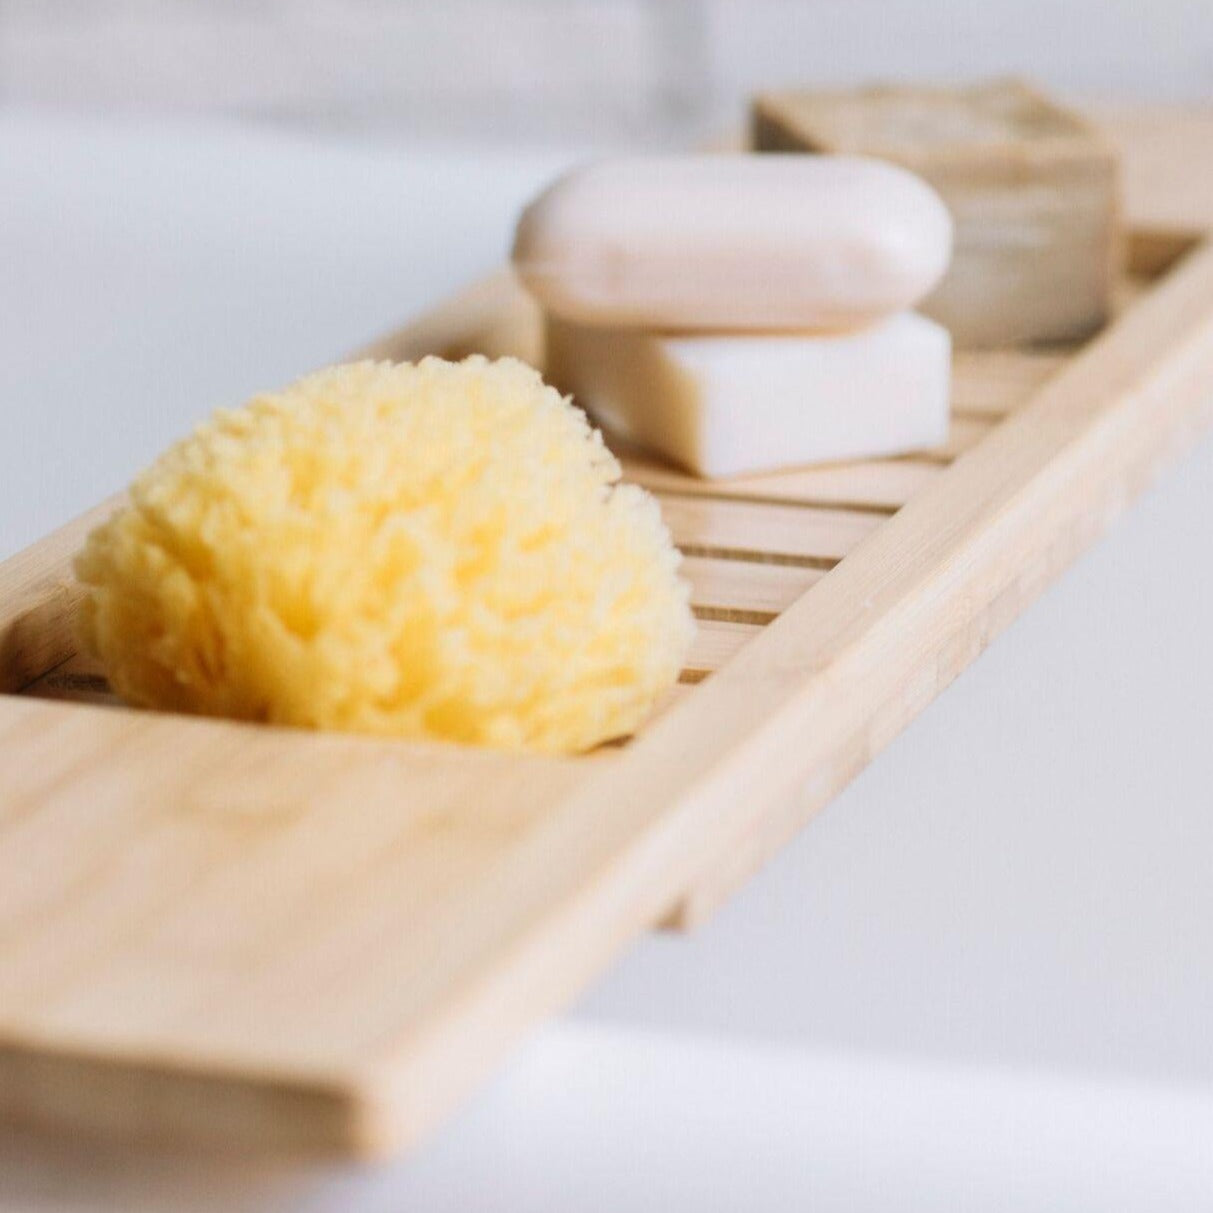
<point>222,932</point>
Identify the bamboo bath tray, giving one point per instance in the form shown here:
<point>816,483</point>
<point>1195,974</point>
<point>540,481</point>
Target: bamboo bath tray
<point>216,932</point>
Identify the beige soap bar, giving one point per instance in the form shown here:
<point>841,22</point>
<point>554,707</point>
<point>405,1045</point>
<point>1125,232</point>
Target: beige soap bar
<point>1032,187</point>
<point>722,405</point>
<point>733,242</point>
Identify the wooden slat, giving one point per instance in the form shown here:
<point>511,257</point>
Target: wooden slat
<point>703,526</point>
<point>879,485</point>
<point>745,588</point>
<point>991,383</point>
<point>716,641</point>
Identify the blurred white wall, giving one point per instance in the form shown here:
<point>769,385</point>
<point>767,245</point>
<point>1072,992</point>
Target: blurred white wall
<point>631,70</point>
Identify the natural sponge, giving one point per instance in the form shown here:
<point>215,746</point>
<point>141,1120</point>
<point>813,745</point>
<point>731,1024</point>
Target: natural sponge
<point>436,550</point>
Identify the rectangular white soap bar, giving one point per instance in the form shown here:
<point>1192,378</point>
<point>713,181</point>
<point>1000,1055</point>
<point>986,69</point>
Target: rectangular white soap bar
<point>722,405</point>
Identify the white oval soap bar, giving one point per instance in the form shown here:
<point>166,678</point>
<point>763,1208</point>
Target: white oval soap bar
<point>742,242</point>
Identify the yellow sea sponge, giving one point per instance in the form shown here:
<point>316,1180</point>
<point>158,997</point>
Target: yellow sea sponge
<point>439,550</point>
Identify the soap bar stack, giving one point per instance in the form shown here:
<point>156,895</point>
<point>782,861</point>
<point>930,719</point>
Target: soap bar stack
<point>740,313</point>
<point>1033,189</point>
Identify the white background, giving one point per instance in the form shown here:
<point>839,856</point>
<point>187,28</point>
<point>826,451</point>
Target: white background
<point>656,71</point>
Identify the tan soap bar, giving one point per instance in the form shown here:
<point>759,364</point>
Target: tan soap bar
<point>733,242</point>
<point>1033,190</point>
<point>722,405</point>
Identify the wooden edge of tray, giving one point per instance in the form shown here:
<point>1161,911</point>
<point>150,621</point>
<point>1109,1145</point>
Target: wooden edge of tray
<point>161,1101</point>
